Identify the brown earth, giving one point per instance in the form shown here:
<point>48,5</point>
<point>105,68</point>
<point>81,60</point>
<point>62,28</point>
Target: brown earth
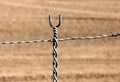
<point>79,61</point>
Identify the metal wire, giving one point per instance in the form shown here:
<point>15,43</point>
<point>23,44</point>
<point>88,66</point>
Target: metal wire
<point>55,54</point>
<point>26,42</point>
<point>91,37</point>
<point>55,45</point>
<point>64,39</point>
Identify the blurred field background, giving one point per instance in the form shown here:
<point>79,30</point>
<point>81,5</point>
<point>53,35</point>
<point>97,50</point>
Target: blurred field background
<point>79,61</point>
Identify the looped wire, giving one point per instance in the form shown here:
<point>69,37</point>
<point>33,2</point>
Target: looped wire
<point>55,45</point>
<point>50,22</point>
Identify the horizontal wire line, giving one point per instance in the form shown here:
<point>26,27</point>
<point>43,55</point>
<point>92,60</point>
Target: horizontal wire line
<point>64,39</point>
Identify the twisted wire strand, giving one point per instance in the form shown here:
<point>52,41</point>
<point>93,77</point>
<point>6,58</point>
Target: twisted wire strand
<point>64,39</point>
<point>91,37</point>
<point>55,54</point>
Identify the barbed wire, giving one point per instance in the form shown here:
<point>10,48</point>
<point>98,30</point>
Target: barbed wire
<point>64,39</point>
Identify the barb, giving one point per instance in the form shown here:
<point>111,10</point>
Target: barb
<point>63,39</point>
